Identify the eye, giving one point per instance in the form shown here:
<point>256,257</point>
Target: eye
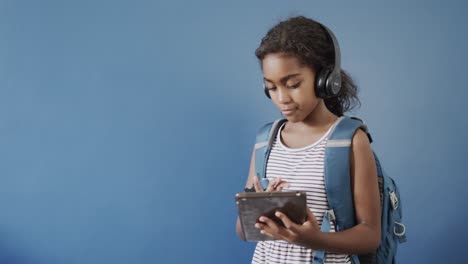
<point>294,86</point>
<point>270,88</point>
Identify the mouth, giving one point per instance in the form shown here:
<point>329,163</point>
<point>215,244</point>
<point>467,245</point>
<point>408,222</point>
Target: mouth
<point>287,112</point>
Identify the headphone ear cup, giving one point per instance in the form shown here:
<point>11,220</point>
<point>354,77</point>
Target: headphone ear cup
<point>267,93</point>
<point>333,84</point>
<point>321,82</point>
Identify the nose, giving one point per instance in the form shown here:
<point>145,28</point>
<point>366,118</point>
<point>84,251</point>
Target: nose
<point>283,96</point>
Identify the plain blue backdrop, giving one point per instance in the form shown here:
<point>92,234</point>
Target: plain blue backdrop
<point>126,127</point>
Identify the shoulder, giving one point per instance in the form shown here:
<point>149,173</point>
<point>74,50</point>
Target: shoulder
<point>362,158</point>
<point>360,141</point>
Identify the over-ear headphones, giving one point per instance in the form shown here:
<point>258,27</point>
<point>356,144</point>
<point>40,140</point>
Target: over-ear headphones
<point>328,80</point>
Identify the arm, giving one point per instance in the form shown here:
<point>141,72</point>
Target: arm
<point>249,184</point>
<point>360,239</point>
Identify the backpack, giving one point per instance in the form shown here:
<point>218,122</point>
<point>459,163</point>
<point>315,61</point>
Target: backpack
<point>338,188</point>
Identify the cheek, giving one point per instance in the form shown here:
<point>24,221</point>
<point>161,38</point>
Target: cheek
<point>275,98</point>
<point>307,95</point>
<point>310,103</point>
<point>306,99</point>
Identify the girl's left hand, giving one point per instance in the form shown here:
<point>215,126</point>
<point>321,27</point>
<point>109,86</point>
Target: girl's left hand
<point>306,234</point>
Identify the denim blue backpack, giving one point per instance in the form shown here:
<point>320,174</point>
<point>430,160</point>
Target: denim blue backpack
<point>338,188</point>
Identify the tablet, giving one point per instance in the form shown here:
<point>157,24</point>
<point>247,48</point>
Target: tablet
<point>252,205</point>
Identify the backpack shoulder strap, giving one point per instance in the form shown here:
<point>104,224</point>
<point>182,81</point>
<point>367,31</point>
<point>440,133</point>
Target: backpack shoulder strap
<point>263,144</point>
<point>337,170</point>
<point>338,180</point>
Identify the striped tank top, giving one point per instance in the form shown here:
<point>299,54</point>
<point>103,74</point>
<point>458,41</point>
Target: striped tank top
<point>303,169</point>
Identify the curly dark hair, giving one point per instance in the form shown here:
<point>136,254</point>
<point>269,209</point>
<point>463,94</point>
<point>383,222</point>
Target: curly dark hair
<point>308,41</point>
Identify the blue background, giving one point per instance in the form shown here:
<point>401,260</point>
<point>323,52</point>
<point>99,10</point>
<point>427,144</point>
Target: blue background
<point>126,127</point>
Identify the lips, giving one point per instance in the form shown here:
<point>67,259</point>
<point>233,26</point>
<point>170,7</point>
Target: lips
<point>288,111</point>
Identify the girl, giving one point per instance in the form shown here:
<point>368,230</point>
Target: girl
<point>292,55</point>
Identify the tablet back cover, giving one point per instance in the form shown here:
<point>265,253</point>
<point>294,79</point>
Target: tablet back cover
<point>253,205</point>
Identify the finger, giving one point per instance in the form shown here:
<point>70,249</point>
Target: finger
<point>274,184</point>
<point>271,185</point>
<point>258,187</point>
<point>259,225</point>
<point>272,229</point>
<point>310,214</point>
<point>283,185</point>
<point>286,221</point>
<point>264,232</point>
<point>268,228</point>
<point>268,224</point>
<point>277,182</point>
<point>311,217</point>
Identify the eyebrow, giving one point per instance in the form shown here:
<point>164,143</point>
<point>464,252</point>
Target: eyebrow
<point>285,78</point>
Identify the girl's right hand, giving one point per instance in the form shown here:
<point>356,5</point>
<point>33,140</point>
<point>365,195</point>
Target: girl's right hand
<point>275,185</point>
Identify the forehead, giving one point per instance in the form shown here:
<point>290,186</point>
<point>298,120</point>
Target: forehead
<point>277,65</point>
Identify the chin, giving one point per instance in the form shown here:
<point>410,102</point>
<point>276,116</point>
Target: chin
<point>293,119</point>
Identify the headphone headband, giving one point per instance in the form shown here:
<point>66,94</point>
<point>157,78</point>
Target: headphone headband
<point>336,47</point>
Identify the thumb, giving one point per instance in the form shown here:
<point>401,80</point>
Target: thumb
<point>258,187</point>
<point>311,216</point>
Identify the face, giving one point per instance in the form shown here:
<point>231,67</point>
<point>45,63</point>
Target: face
<point>291,86</point>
